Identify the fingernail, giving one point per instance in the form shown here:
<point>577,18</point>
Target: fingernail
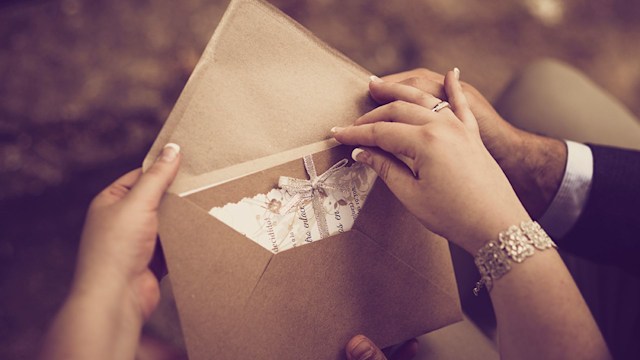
<point>362,351</point>
<point>336,129</point>
<point>456,73</point>
<point>360,155</point>
<point>376,79</point>
<point>169,152</point>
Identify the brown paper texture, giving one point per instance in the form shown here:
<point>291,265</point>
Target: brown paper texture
<point>264,85</point>
<point>265,93</point>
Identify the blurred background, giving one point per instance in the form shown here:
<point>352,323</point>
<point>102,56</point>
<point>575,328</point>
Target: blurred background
<point>85,87</point>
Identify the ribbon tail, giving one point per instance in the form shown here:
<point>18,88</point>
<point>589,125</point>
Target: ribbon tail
<point>321,218</point>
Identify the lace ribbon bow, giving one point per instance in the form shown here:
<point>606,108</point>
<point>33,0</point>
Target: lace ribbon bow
<point>312,190</point>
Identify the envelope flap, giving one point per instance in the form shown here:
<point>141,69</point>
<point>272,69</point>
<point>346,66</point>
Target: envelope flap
<point>264,85</point>
<point>387,222</point>
<point>320,295</point>
<point>213,267</point>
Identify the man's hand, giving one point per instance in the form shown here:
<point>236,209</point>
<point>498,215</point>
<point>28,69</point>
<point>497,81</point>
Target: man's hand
<point>534,164</point>
<point>114,291</point>
<point>361,348</point>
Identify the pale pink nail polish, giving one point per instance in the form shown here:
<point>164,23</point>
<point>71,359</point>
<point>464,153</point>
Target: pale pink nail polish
<point>360,155</point>
<point>169,152</point>
<point>456,73</point>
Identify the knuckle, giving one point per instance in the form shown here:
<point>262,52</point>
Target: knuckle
<point>117,190</point>
<point>376,129</point>
<point>413,82</point>
<point>422,71</point>
<point>424,99</point>
<point>397,106</point>
<point>432,133</point>
<point>426,133</point>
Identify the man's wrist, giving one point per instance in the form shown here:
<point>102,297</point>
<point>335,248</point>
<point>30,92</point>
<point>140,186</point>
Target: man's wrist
<point>535,168</point>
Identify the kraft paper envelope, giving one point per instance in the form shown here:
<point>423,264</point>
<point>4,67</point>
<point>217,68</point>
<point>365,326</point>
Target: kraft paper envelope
<point>264,94</point>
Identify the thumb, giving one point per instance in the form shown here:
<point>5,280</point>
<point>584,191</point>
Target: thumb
<point>458,100</point>
<point>361,348</point>
<point>155,181</point>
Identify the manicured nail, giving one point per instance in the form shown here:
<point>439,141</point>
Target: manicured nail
<point>362,351</point>
<point>336,129</point>
<point>360,155</point>
<point>376,79</point>
<point>456,73</point>
<point>169,152</point>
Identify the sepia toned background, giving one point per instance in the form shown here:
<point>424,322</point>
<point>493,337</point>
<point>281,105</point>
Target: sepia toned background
<point>86,85</point>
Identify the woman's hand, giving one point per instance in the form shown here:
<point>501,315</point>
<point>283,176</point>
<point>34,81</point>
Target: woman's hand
<point>435,162</point>
<point>533,163</point>
<point>120,233</point>
<point>437,165</point>
<point>114,291</point>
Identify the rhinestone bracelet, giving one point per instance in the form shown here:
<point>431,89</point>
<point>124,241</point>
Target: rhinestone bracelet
<point>515,244</point>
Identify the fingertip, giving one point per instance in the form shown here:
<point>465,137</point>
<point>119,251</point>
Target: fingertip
<point>169,153</point>
<point>360,347</point>
<point>376,90</point>
<point>152,185</point>
<point>360,155</point>
<point>337,131</point>
<point>452,82</point>
<point>450,77</point>
<point>459,103</point>
<point>355,341</point>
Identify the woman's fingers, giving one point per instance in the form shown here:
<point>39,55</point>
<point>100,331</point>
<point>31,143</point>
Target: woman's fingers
<point>384,92</point>
<point>415,73</point>
<point>398,111</point>
<point>395,138</point>
<point>361,348</point>
<point>155,181</point>
<point>457,99</point>
<point>398,177</point>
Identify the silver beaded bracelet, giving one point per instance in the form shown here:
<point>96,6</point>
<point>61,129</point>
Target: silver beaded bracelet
<point>515,244</point>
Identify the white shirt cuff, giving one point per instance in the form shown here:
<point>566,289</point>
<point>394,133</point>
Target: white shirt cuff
<point>567,205</point>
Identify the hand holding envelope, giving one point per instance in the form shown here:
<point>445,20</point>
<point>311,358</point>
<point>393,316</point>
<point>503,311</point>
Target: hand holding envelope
<point>443,155</point>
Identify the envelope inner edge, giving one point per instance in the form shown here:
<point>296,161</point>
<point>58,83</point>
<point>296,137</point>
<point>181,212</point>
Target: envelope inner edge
<point>218,177</point>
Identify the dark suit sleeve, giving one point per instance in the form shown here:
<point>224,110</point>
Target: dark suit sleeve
<point>608,229</point>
